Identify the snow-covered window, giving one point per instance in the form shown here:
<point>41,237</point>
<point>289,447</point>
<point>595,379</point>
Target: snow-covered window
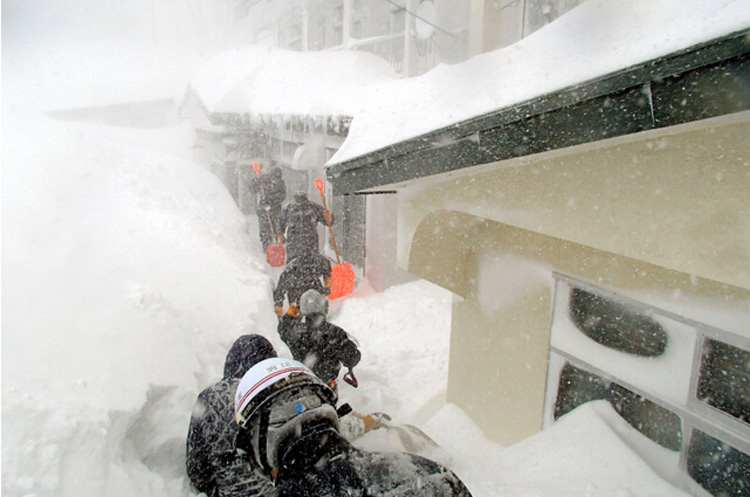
<point>578,386</point>
<point>683,383</point>
<point>615,325</point>
<point>724,379</point>
<point>717,466</point>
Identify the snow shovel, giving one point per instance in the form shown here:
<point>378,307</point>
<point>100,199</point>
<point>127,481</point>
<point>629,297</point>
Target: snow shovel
<point>275,252</point>
<point>404,437</point>
<point>342,274</point>
<point>409,438</point>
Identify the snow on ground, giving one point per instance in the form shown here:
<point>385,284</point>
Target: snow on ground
<point>127,274</point>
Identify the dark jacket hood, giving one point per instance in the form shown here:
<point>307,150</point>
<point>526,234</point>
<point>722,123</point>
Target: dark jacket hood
<point>246,352</point>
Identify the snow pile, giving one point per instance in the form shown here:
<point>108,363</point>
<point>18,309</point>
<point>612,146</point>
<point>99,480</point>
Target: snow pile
<point>396,330</point>
<point>593,39</point>
<point>128,273</point>
<point>583,454</point>
<point>263,80</point>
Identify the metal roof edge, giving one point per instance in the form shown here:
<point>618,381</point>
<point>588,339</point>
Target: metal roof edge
<point>627,81</point>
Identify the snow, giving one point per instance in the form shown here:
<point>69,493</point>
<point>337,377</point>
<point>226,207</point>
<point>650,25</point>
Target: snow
<point>128,272</point>
<point>121,67</point>
<point>593,39</point>
<point>329,83</point>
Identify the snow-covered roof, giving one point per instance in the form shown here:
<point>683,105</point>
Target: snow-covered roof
<point>263,80</point>
<point>594,39</point>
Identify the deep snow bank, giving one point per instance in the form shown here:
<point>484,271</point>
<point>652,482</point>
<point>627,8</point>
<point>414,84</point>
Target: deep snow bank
<point>127,273</point>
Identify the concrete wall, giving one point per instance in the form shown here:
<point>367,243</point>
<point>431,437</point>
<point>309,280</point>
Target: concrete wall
<point>381,241</point>
<point>663,211</point>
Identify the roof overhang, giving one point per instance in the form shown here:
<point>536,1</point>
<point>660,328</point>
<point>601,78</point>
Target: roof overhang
<point>707,80</point>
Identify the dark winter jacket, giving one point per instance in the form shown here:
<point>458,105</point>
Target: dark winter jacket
<point>320,345</point>
<point>322,463</point>
<point>270,195</point>
<point>298,222</point>
<point>211,461</point>
<point>307,272</point>
<point>270,191</point>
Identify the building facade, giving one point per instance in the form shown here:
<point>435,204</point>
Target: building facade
<point>414,36</point>
<point>597,240</point>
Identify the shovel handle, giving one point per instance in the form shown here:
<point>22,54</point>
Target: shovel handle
<point>256,167</point>
<point>350,378</point>
<point>319,186</point>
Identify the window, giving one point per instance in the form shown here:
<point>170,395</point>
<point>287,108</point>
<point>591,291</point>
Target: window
<point>397,20</point>
<point>682,383</point>
<point>724,379</point>
<point>541,12</point>
<point>578,386</point>
<point>338,26</point>
<point>615,325</point>
<point>718,467</point>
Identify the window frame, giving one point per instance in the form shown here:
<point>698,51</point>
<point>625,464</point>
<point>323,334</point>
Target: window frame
<point>694,413</point>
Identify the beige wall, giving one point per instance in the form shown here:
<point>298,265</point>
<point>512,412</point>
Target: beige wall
<point>501,322</point>
<point>663,211</point>
<point>676,198</point>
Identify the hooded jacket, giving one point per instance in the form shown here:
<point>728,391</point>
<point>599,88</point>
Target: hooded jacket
<point>298,222</point>
<point>211,459</point>
<point>271,192</point>
<point>301,274</point>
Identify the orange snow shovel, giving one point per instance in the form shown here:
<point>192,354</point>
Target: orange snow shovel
<point>342,274</point>
<point>275,252</point>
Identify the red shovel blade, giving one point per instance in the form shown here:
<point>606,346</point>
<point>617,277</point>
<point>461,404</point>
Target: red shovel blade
<point>275,254</point>
<point>342,280</point>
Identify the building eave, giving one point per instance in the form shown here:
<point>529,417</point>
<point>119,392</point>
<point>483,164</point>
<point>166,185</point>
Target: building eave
<point>707,80</point>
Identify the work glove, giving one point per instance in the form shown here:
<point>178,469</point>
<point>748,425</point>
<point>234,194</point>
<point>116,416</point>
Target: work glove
<point>278,310</point>
<point>380,419</point>
<point>293,310</point>
<point>373,421</point>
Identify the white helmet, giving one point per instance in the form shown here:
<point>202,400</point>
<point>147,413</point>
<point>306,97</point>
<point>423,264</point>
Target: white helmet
<point>313,302</point>
<point>275,402</point>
